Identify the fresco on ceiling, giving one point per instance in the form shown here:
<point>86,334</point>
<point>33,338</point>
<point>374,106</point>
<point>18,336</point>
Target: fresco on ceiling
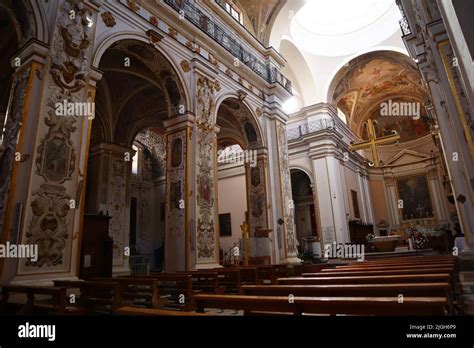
<point>261,13</point>
<point>408,127</point>
<point>373,78</point>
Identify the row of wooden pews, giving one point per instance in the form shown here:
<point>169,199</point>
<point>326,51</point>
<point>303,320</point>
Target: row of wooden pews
<point>391,286</point>
<point>420,285</point>
<point>159,293</point>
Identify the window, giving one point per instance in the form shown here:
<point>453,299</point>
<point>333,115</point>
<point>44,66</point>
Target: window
<point>234,12</point>
<point>135,160</point>
<point>342,115</point>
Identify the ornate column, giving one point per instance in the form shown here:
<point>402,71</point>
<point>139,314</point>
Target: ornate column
<point>205,142</point>
<point>53,207</point>
<point>256,183</point>
<point>18,145</point>
<point>179,242</point>
<point>287,204</point>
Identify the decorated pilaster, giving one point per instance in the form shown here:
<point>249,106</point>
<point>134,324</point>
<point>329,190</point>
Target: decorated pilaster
<point>207,244</point>
<point>179,242</point>
<point>260,247</point>
<point>18,144</point>
<point>112,164</point>
<point>287,219</point>
<point>52,210</point>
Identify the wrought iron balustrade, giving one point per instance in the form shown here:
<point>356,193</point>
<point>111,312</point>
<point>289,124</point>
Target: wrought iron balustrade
<point>230,41</point>
<point>404,25</point>
<point>310,127</point>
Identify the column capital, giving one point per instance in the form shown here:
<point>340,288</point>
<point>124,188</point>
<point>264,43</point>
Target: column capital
<point>33,50</point>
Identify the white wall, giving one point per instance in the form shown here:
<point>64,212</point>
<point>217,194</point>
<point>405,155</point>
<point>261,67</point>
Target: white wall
<point>233,200</point>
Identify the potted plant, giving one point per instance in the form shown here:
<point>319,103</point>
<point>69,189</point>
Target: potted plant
<point>306,257</point>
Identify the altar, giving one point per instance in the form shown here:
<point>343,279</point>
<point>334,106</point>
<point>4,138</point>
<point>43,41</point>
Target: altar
<point>385,243</point>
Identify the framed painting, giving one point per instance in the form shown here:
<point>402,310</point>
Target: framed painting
<point>415,195</point>
<point>225,225</point>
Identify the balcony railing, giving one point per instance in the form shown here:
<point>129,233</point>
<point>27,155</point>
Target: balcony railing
<point>310,127</point>
<point>229,41</point>
<point>404,25</point>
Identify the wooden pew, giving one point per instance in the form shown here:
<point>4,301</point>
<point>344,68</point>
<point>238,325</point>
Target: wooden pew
<point>384,264</point>
<point>137,291</point>
<point>135,311</point>
<point>338,269</point>
<point>350,290</point>
<point>96,297</point>
<point>388,279</point>
<point>39,300</point>
<point>323,305</point>
<point>416,257</point>
<point>370,271</point>
<point>204,281</point>
<point>398,263</point>
<point>248,275</point>
<point>173,289</point>
<point>270,273</point>
<point>280,271</point>
<point>265,274</point>
<point>228,280</point>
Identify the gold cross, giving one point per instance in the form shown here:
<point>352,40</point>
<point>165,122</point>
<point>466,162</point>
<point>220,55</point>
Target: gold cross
<point>373,141</point>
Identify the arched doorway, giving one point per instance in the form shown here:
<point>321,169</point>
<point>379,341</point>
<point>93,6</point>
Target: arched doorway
<point>127,170</point>
<point>303,201</point>
<point>242,180</point>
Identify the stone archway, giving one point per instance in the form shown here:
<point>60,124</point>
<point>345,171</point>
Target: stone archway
<point>138,95</point>
<point>235,121</point>
<point>306,223</point>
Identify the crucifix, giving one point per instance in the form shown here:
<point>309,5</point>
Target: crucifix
<point>373,141</point>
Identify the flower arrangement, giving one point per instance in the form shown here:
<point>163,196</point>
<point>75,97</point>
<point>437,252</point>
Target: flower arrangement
<point>369,237</point>
<point>306,257</point>
<point>420,241</point>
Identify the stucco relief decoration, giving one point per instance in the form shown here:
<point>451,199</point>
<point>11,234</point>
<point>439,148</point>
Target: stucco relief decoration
<point>133,5</point>
<point>48,227</point>
<point>154,21</point>
<point>145,216</point>
<point>56,158</point>
<point>11,136</point>
<point>257,198</point>
<point>72,39</point>
<point>185,66</point>
<point>286,190</point>
<point>108,19</point>
<point>175,179</point>
<point>156,147</point>
<point>206,134</point>
<point>117,193</point>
